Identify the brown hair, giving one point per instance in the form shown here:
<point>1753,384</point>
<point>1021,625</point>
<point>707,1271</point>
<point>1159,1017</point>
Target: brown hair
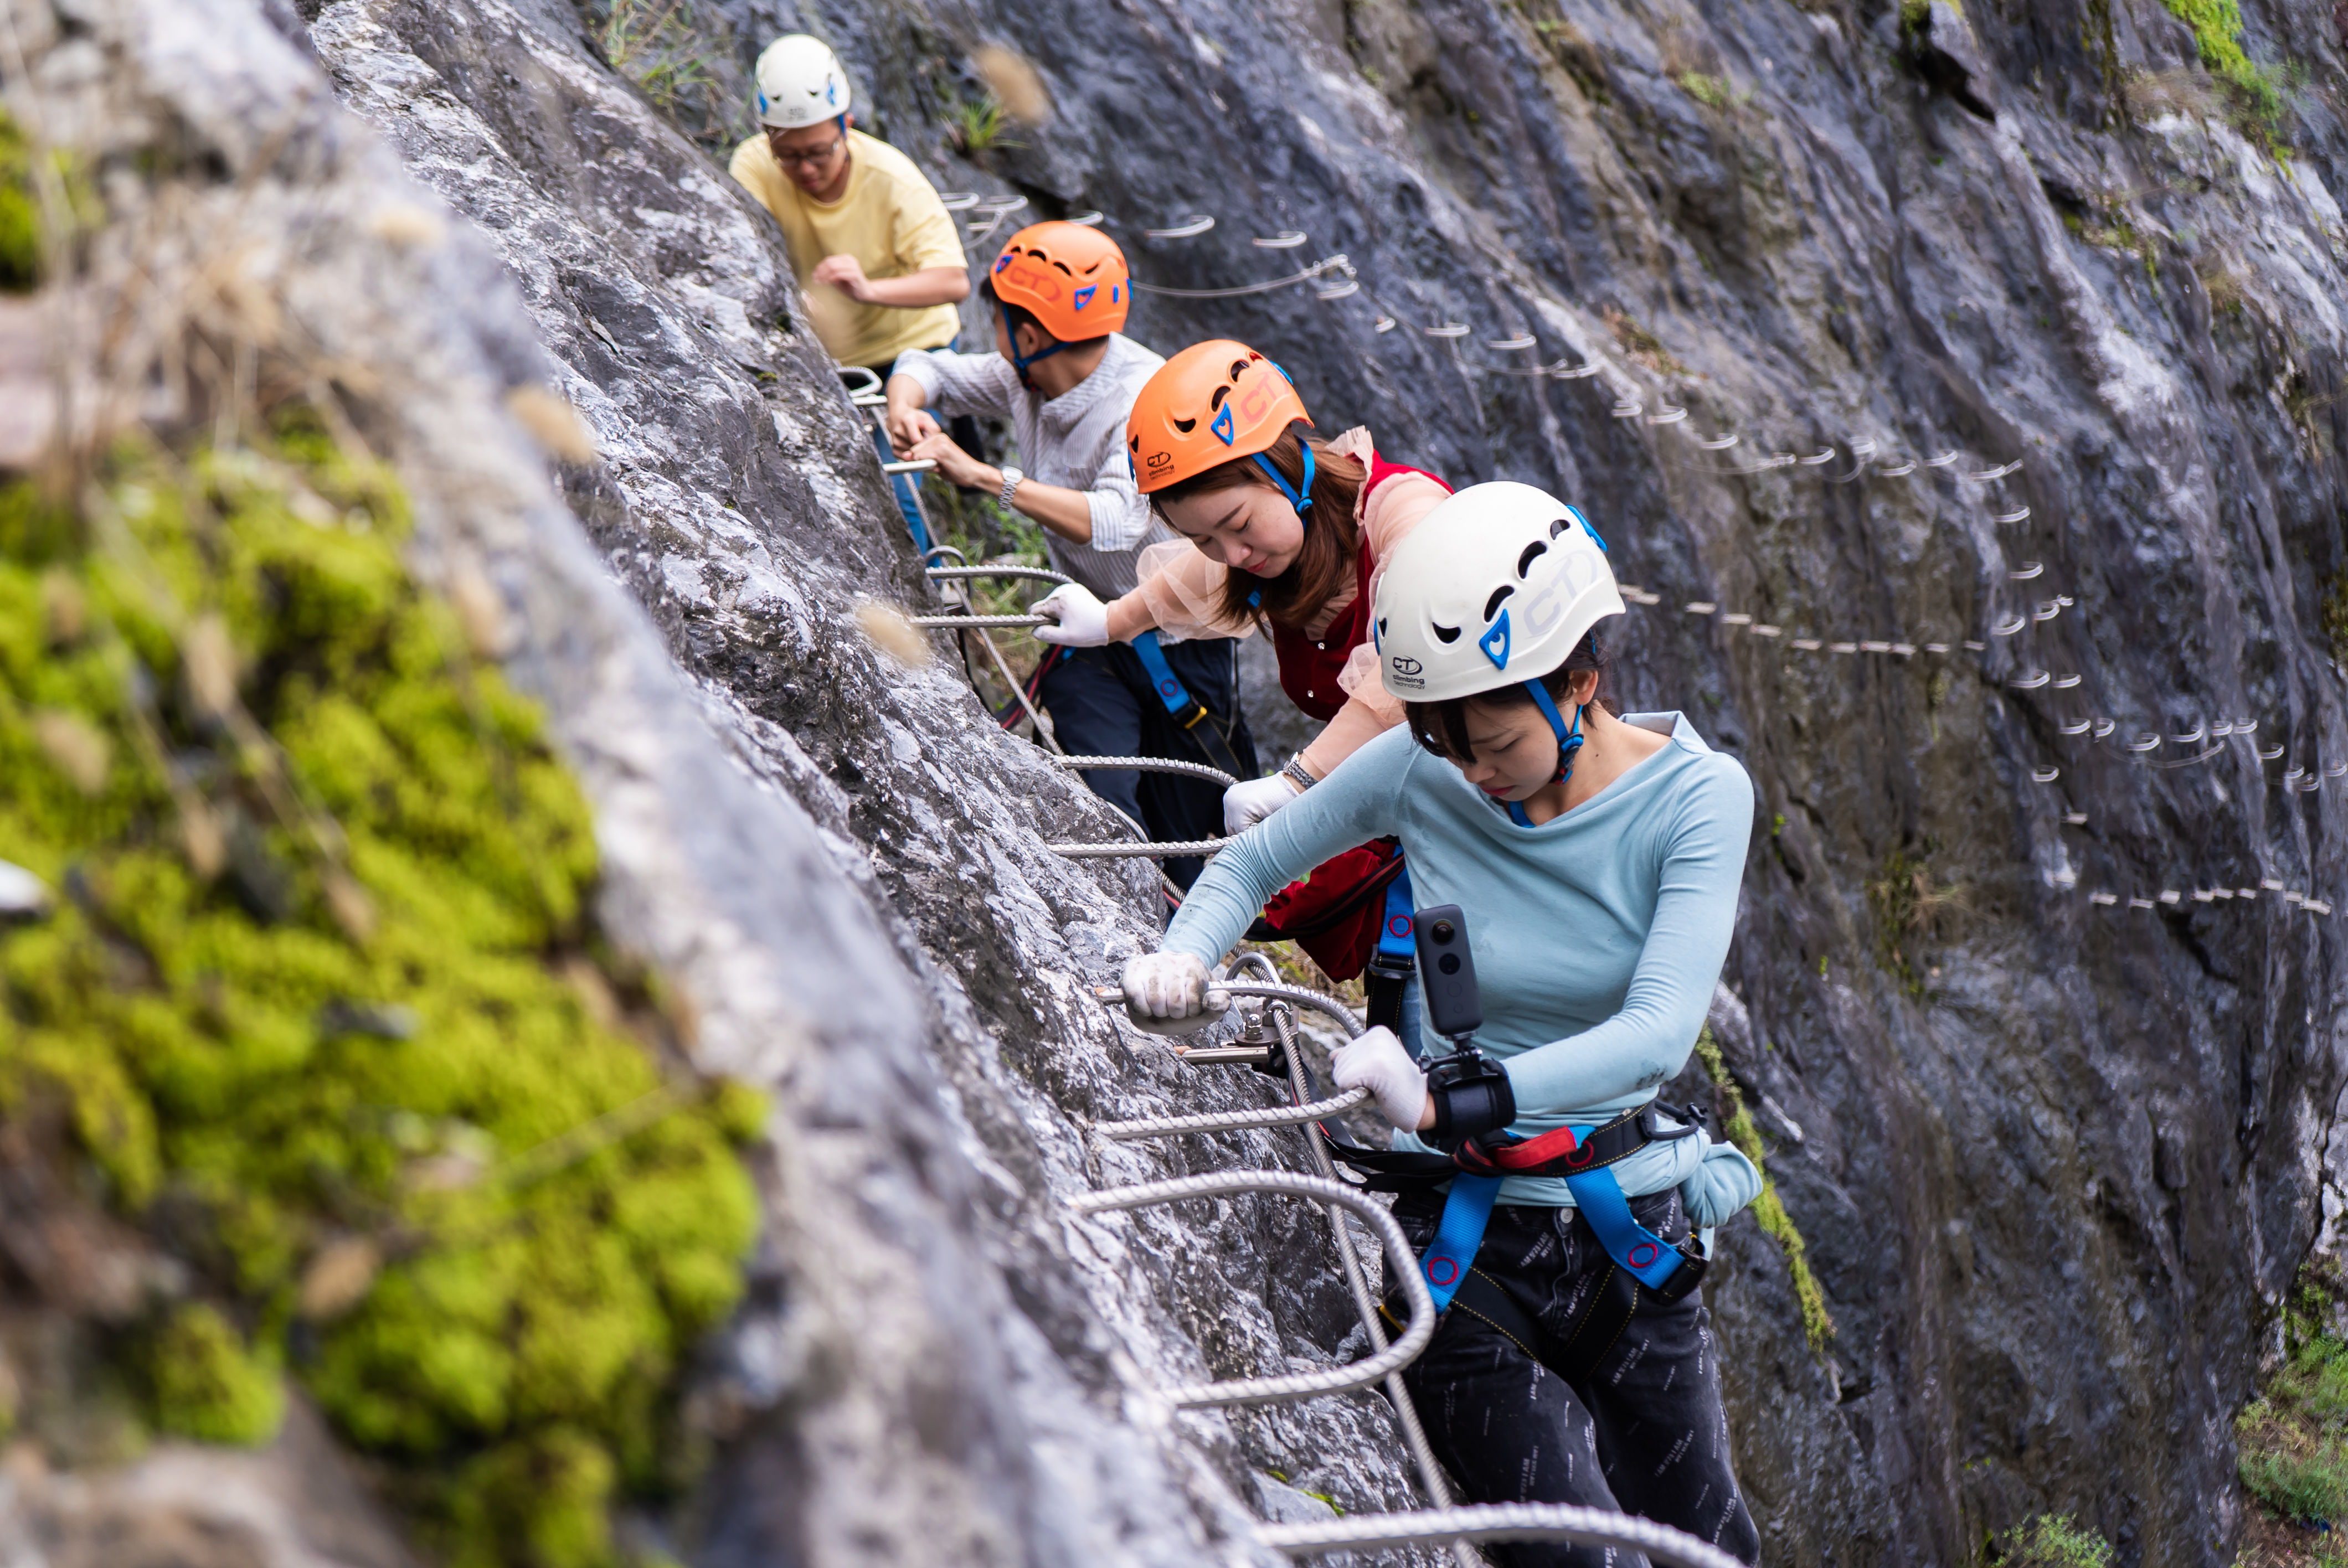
<point>1442,727</point>
<point>1325,563</point>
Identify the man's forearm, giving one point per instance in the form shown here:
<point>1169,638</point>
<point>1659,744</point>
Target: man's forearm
<point>1064,511</point>
<point>916,291</point>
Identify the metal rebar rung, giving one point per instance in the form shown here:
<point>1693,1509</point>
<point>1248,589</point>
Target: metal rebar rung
<point>909,465</point>
<point>1500,1522</point>
<point>1152,765</point>
<point>1200,846</point>
<point>959,573</point>
<point>1295,1385</point>
<point>975,623</point>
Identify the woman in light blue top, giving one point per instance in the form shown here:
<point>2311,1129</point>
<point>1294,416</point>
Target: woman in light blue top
<point>1596,862</point>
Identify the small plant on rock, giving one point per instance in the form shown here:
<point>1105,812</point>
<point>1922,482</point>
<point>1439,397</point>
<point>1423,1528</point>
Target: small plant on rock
<point>2051,1541</point>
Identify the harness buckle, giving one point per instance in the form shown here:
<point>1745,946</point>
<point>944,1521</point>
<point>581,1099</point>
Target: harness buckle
<point>1689,1273</point>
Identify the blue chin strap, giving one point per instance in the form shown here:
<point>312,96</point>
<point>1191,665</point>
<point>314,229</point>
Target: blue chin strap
<point>1568,741</point>
<point>1020,362</point>
<point>1302,500</point>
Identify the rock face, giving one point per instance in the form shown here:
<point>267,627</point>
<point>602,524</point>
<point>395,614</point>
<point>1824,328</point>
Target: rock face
<point>2052,1159</point>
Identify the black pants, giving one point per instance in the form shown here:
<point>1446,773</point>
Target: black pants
<point>1103,704</point>
<point>1644,1434</point>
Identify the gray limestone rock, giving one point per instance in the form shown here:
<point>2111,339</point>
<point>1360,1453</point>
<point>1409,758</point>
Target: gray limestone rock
<point>2054,1159</point>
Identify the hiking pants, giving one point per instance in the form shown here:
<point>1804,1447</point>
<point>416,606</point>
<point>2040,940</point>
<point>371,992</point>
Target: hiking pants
<point>1103,704</point>
<point>1644,1434</point>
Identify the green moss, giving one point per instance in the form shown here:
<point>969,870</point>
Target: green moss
<point>2050,1540</point>
<point>1817,1323</point>
<point>208,1385</point>
<point>316,973</point>
<point>2294,1435</point>
<point>2218,31</point>
<point>20,212</point>
<point>1708,91</point>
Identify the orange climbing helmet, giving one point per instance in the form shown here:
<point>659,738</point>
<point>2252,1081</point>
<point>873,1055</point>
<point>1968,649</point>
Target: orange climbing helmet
<point>1212,404</point>
<point>1073,280</point>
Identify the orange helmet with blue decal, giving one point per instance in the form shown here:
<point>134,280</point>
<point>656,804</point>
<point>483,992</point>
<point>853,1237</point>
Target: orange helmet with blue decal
<point>1213,402</point>
<point>1073,280</point>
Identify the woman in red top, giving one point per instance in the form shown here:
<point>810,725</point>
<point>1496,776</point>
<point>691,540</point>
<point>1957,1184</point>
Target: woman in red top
<point>1286,531</point>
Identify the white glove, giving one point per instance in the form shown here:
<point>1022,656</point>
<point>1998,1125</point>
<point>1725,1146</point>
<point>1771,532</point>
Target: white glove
<point>1249,803</point>
<point>1082,619</point>
<point>1378,1062</point>
<point>1166,993</point>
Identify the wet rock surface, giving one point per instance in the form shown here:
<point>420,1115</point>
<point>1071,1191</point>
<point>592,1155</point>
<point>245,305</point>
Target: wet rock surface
<point>2052,1160</point>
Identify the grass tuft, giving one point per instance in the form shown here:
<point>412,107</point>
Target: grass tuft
<point>2050,1540</point>
<point>2294,1435</point>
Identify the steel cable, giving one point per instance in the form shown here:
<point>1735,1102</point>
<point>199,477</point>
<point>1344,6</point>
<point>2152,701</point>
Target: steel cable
<point>1294,1385</point>
<point>1405,1409</point>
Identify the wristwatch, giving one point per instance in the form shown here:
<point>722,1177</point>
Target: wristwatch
<point>1011,478</point>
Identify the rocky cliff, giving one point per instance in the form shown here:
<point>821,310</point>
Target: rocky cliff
<point>2055,1158</point>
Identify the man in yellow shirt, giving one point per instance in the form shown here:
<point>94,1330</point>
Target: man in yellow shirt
<point>871,244</point>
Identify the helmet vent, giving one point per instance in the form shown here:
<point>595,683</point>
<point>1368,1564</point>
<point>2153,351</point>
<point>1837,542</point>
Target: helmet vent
<point>1216,400</point>
<point>1444,633</point>
<point>1533,552</point>
<point>1064,268</point>
<point>1560,527</point>
<point>1186,425</point>
<point>1239,367</point>
<point>1492,605</point>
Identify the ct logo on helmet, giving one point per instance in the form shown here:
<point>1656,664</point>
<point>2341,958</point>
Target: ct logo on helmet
<point>1160,459</point>
<point>1405,666</point>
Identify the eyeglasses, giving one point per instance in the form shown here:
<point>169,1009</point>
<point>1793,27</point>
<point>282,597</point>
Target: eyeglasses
<point>807,158</point>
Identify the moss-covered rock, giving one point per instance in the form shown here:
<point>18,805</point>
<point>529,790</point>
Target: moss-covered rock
<point>324,968</point>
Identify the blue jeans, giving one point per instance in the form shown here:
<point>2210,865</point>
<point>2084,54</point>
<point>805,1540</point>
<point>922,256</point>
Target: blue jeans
<point>902,485</point>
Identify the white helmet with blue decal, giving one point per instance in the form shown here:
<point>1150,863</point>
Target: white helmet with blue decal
<point>800,83</point>
<point>1494,588</point>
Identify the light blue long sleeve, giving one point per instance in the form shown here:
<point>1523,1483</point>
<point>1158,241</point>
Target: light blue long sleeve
<point>1599,935</point>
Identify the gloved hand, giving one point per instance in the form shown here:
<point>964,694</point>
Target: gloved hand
<point>1378,1062</point>
<point>1250,800</point>
<point>1168,993</point>
<point>1082,619</point>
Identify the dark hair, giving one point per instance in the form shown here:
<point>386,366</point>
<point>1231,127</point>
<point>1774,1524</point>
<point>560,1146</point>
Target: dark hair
<point>1325,563</point>
<point>1021,316</point>
<point>1442,727</point>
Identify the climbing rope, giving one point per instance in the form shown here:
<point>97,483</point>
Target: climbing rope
<point>1176,850</point>
<point>1294,1385</point>
<point>1282,996</point>
<point>1150,765</point>
<point>1500,1522</point>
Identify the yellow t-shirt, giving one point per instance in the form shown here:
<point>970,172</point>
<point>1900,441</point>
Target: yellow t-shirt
<point>890,219</point>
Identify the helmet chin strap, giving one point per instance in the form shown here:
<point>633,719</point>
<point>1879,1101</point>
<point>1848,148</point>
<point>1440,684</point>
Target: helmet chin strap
<point>1301,499</point>
<point>1020,362</point>
<point>1568,741</point>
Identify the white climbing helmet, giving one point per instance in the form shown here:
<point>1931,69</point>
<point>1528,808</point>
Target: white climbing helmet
<point>1494,588</point>
<point>800,83</point>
